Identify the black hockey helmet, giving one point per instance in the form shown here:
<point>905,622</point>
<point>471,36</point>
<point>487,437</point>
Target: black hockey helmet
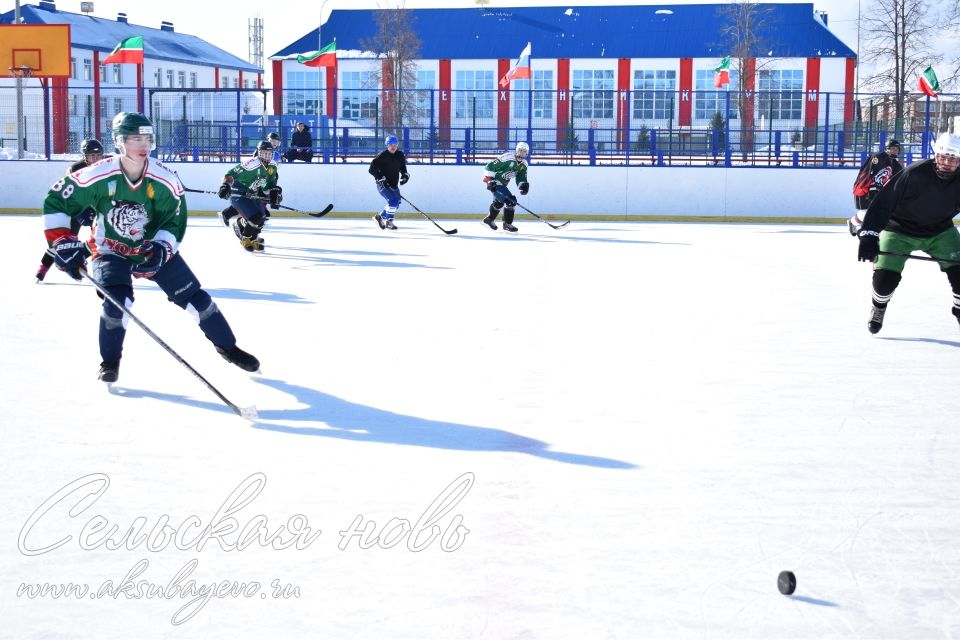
<point>264,151</point>
<point>91,146</point>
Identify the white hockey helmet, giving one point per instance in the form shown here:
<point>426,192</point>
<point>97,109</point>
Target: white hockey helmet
<point>947,154</point>
<point>522,150</point>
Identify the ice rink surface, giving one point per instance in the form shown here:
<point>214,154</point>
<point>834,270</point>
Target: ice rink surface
<point>609,431</point>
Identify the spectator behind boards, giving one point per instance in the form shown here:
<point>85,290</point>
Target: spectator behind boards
<point>301,144</point>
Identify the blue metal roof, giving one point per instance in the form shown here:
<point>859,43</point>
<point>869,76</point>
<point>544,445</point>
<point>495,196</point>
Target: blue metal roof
<point>653,31</point>
<point>101,34</point>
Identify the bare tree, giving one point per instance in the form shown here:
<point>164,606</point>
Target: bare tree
<point>397,47</point>
<point>900,39</point>
<point>743,25</point>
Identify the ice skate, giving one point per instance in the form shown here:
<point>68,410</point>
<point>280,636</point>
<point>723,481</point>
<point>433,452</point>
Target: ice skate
<point>109,372</point>
<point>42,273</point>
<point>509,227</point>
<point>388,223</point>
<point>236,355</point>
<point>490,223</point>
<point>876,319</point>
<point>379,221</point>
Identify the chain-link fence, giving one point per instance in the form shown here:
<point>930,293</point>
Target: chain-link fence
<point>594,127</point>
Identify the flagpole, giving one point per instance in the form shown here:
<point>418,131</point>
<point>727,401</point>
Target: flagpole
<point>530,98</point>
<point>320,70</point>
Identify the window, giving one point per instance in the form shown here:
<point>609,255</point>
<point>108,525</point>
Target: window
<point>103,106</point>
<point>708,100</point>
<point>302,91</point>
<point>182,79</point>
<point>654,94</point>
<point>72,101</point>
<point>117,74</point>
<point>103,73</point>
<point>193,79</point>
<point>87,69</point>
<point>170,78</point>
<point>224,83</point>
<point>542,95</point>
<point>358,95</point>
<point>117,105</point>
<point>73,68</point>
<point>474,94</point>
<point>158,77</point>
<point>781,94</point>
<point>592,93</point>
<point>426,82</point>
<point>236,82</point>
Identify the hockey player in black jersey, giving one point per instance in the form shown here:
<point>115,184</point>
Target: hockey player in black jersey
<point>389,169</point>
<point>92,152</point>
<point>875,172</point>
<point>914,213</point>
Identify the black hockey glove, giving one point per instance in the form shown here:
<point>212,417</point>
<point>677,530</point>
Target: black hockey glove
<point>524,187</point>
<point>382,182</point>
<point>224,190</point>
<point>276,196</point>
<point>492,185</point>
<point>869,246</point>
<point>404,177</point>
<point>156,253</point>
<point>69,255</point>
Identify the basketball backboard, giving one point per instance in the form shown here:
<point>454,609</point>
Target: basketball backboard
<point>44,48</point>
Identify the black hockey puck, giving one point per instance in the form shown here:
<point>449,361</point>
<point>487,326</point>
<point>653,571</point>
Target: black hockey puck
<point>787,582</point>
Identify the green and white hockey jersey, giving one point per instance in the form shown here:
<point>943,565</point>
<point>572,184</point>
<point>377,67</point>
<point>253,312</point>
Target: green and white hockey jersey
<point>127,213</point>
<point>250,175</point>
<point>504,168</point>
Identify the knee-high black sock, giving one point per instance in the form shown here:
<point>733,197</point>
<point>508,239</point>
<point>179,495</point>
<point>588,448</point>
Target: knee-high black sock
<point>884,284</point>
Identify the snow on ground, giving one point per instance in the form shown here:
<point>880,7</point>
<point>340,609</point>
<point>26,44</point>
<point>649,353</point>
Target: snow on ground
<point>609,431</point>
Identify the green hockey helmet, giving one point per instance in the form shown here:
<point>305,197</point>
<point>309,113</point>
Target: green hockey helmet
<point>132,124</point>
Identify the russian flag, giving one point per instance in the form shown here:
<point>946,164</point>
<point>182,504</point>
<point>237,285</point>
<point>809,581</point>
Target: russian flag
<point>520,68</point>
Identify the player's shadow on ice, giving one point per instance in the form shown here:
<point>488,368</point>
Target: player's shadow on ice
<point>819,603</point>
<point>258,296</point>
<point>351,421</point>
<point>946,343</point>
<point>323,258</point>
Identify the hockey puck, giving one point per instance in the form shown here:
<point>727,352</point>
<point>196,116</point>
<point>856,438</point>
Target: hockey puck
<point>786,582</point>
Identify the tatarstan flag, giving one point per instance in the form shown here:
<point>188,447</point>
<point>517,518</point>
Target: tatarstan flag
<point>928,83</point>
<point>326,57</point>
<point>128,51</point>
<point>721,75</point>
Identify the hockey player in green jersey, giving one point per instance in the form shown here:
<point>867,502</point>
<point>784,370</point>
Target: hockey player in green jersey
<point>246,185</point>
<point>140,219</point>
<point>497,174</point>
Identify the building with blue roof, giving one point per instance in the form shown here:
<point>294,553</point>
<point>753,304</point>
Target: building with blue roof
<point>84,104</point>
<point>613,67</point>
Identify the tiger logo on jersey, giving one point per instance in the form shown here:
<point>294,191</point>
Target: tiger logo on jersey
<point>128,219</point>
<point>883,176</point>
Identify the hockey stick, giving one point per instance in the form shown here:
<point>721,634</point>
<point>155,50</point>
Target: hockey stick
<point>322,213</point>
<point>250,413</point>
<point>913,257</point>
<point>553,226</point>
<point>448,232</point>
